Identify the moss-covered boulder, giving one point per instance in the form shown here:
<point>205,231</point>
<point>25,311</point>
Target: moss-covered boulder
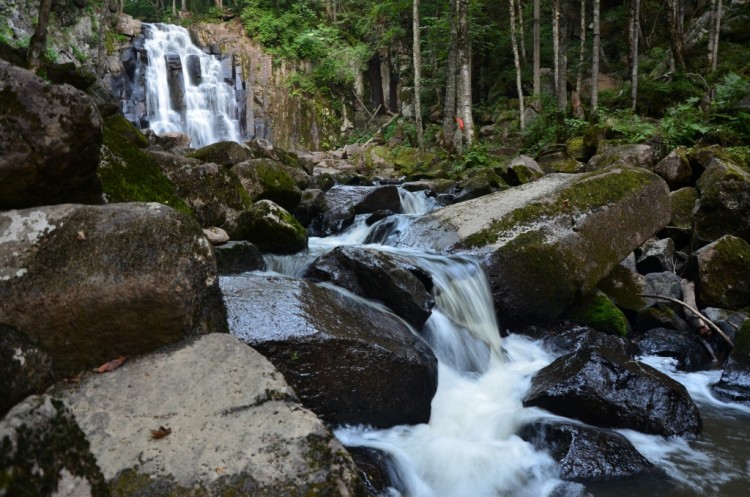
<point>683,202</point>
<point>522,169</point>
<point>227,153</point>
<point>724,204</point>
<point>597,311</point>
<point>724,267</point>
<point>90,283</point>
<point>24,368</point>
<point>624,287</point>
<point>130,174</point>
<point>266,179</point>
<point>49,142</point>
<point>229,425</point>
<point>44,452</point>
<point>578,149</point>
<point>675,168</point>
<point>271,228</point>
<point>548,242</point>
<point>622,156</point>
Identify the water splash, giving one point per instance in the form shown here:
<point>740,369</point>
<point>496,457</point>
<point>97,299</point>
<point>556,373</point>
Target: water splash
<point>207,111</point>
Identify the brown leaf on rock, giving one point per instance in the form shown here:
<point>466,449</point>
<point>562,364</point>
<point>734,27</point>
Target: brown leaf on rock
<point>162,432</point>
<point>81,235</point>
<point>111,365</point>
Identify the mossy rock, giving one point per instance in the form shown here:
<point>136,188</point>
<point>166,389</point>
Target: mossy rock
<point>128,173</point>
<point>683,202</point>
<point>266,179</point>
<point>226,153</point>
<point>577,149</point>
<point>624,287</point>
<point>597,311</point>
<point>723,268</point>
<point>271,228</point>
<point>724,205</point>
<point>735,380</point>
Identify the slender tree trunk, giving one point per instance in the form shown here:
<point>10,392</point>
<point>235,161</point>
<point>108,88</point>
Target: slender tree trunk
<point>449,109</point>
<point>635,28</point>
<point>556,42</point>
<point>417,75</point>
<point>595,60</point>
<point>581,54</point>
<point>711,32</point>
<point>715,55</point>
<point>38,41</point>
<point>183,6</point>
<point>174,8</point>
<point>516,61</point>
<point>537,55</point>
<point>464,63</point>
<point>219,4</point>
<point>522,31</point>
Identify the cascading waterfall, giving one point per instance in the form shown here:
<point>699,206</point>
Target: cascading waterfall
<point>185,89</point>
<point>470,447</point>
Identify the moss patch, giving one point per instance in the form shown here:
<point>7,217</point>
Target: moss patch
<point>683,202</point>
<point>597,311</point>
<point>129,174</point>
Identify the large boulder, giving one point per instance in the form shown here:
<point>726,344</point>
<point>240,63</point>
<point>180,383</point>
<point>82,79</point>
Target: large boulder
<point>723,268</point>
<point>238,257</point>
<point>24,368</point>
<point>226,153</point>
<point>622,156</point>
<point>394,280</point>
<point>685,347</point>
<point>547,242</point>
<point>675,168</point>
<point>605,389</point>
<point>90,283</point>
<point>271,228</point>
<point>49,142</point>
<point>365,199</point>
<point>587,454</point>
<point>350,362</point>
<point>724,204</point>
<point>44,452</point>
<point>735,380</point>
<point>266,179</point>
<point>211,418</point>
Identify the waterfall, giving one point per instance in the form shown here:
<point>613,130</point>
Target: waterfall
<point>185,89</point>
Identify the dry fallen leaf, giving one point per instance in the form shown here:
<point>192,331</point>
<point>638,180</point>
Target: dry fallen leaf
<point>81,235</point>
<point>111,365</point>
<point>160,433</point>
<point>221,470</point>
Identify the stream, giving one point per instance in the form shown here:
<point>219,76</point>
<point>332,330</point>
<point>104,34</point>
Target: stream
<point>470,446</point>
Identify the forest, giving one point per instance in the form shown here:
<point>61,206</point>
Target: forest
<point>543,70</point>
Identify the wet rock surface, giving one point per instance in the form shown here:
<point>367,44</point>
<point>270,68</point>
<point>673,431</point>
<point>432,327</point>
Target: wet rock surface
<point>683,346</point>
<point>609,391</point>
<point>349,362</point>
<point>24,369</point>
<point>388,278</point>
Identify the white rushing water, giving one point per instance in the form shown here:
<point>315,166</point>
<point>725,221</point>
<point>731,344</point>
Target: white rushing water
<point>470,447</point>
<point>210,108</point>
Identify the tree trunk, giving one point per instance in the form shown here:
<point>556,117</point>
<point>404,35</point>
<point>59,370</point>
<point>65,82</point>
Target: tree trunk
<point>634,30</point>
<point>38,41</point>
<point>595,60</point>
<point>676,32</point>
<point>219,4</point>
<point>417,75</point>
<point>464,63</point>
<point>717,28</point>
<point>516,61</point>
<point>581,54</point>
<point>522,31</point>
<point>556,42</point>
<point>174,8</point>
<point>711,35</point>
<point>183,6</point>
<point>537,56</point>
<point>449,110</point>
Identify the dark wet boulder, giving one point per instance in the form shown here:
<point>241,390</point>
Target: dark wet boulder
<point>271,228</point>
<point>311,207</point>
<point>607,390</point>
<point>90,283</point>
<point>24,368</point>
<point>723,268</point>
<point>49,142</point>
<point>238,257</point>
<point>389,278</point>
<point>587,454</point>
<point>655,256</point>
<point>724,204</point>
<point>565,338</point>
<point>735,380</point>
<point>365,199</point>
<point>233,427</point>
<point>44,452</point>
<point>683,346</point>
<point>266,179</point>
<point>349,362</point>
<point>376,468</point>
<point>547,242</point>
